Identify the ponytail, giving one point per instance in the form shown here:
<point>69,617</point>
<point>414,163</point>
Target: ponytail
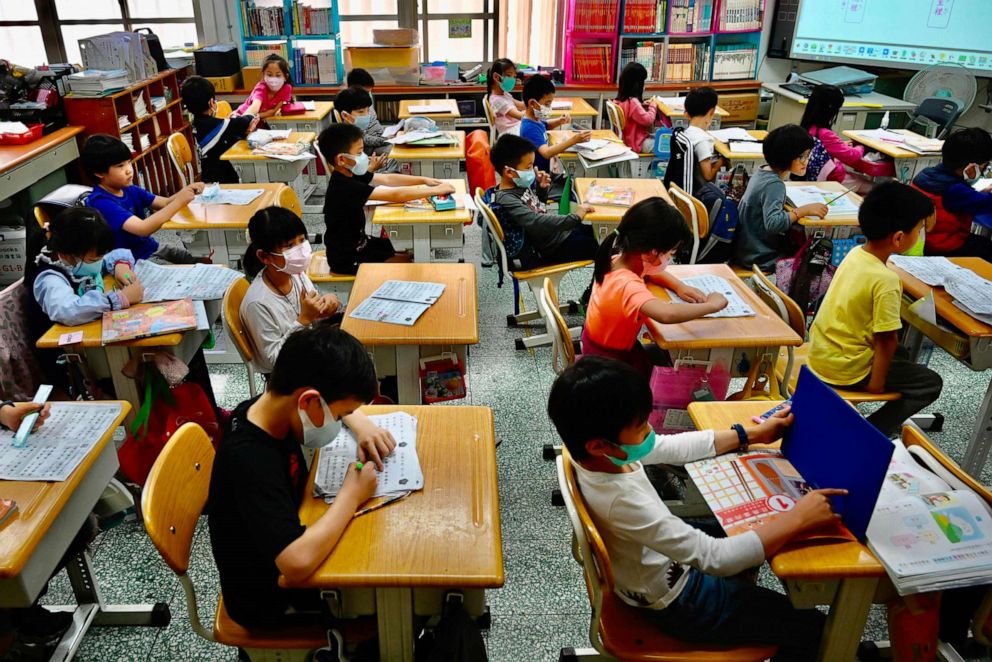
<point>651,224</point>
<point>269,229</point>
<point>604,256</point>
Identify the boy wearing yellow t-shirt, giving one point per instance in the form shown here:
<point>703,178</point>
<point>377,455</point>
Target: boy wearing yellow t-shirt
<point>854,340</point>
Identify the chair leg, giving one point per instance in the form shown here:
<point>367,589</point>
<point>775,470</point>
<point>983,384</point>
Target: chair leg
<point>252,389</point>
<point>539,340</point>
<point>583,655</point>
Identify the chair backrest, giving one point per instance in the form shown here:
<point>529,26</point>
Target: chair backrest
<point>223,109</point>
<point>19,369</point>
<point>232,318</point>
<point>562,349</point>
<point>287,199</point>
<point>175,493</point>
<point>495,229</point>
<point>779,301</point>
<point>41,215</point>
<point>487,109</point>
<point>182,157</point>
<point>614,113</point>
<point>695,214</point>
<point>336,115</point>
<point>942,111</point>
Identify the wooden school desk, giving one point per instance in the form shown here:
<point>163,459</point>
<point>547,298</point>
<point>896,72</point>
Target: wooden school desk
<point>24,165</point>
<point>423,231</point>
<point>224,225</point>
<point>570,160</point>
<point>970,342</point>
<point>788,107</point>
<point>734,342</point>
<point>584,116</point>
<point>839,573</point>
<point>749,160</point>
<point>444,537</point>
<point>315,120</point>
<point>441,162</point>
<point>257,168</point>
<point>907,162</point>
<point>605,218</point>
<point>445,120</point>
<point>679,118</point>
<point>834,227</point>
<point>35,538</point>
<point>450,325</point>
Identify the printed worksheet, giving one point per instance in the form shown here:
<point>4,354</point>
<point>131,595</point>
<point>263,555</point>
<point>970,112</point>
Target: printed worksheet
<point>390,312</point>
<point>733,133</point>
<point>736,306</point>
<point>227,196</point>
<point>971,290</point>
<point>202,282</point>
<point>836,206</point>
<point>410,291</point>
<point>55,450</point>
<point>401,469</point>
<point>931,270</point>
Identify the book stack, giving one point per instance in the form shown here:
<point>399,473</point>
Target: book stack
<point>96,82</point>
<point>319,69</point>
<point>644,16</point>
<point>256,53</point>
<point>591,62</point>
<point>732,61</point>
<point>595,15</point>
<point>262,21</point>
<point>691,16</point>
<point>687,62</point>
<point>158,103</point>
<point>311,20</point>
<point>327,67</point>
<point>144,142</point>
<point>140,108</point>
<point>739,15</point>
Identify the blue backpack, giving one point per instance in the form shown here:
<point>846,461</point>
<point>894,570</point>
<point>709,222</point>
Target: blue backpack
<point>724,217</point>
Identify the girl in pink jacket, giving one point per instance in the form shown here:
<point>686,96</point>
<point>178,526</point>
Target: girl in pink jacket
<point>821,112</point>
<point>641,119</point>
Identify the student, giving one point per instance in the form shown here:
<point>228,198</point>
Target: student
<point>214,135</point>
<point>521,197</point>
<point>354,105</point>
<point>64,274</point>
<point>648,235</point>
<point>763,217</point>
<point>964,215</point>
<point>687,582</point>
<point>374,142</point>
<point>259,477</point>
<point>854,339</point>
<point>818,118</point>
<point>281,299</point>
<point>694,162</point>
<point>507,111</point>
<point>133,213</point>
<point>641,118</point>
<point>272,92</point>
<point>350,187</point>
<point>539,93</point>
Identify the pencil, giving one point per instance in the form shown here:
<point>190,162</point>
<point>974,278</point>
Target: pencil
<point>383,504</point>
<point>845,192</point>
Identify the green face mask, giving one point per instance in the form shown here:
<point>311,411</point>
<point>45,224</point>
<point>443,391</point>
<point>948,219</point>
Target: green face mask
<point>635,453</point>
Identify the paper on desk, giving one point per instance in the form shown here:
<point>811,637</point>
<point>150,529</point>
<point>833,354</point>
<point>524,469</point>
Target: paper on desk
<point>806,195</point>
<point>708,283</point>
<point>931,270</point>
<point>561,105</point>
<point>57,447</point>
<point>404,313</point>
<point>745,147</point>
<point>411,136</point>
<point>303,156</point>
<point>982,184</point>
<point>13,127</point>
<point>263,136</point>
<point>401,470</point>
<point>411,291</point>
<point>309,105</point>
<point>229,196</point>
<point>971,290</point>
<point>438,108</point>
<point>201,282</point>
<point>590,145</point>
<point>202,321</point>
<point>675,103</point>
<point>985,319</point>
<point>926,308</point>
<point>882,134</point>
<point>391,131</point>
<point>733,133</point>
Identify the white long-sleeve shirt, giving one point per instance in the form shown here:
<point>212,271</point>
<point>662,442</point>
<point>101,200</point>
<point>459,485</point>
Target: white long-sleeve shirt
<point>648,545</point>
<point>270,318</point>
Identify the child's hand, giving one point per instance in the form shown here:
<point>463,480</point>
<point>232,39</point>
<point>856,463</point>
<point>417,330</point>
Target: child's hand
<point>11,417</point>
<point>134,292</point>
<point>374,444</point>
<point>377,161</point>
<point>311,308</point>
<point>543,179</point>
<point>581,210</point>
<point>124,274</point>
<point>254,124</point>
<point>817,209</point>
<point>443,189</point>
<point>185,195</point>
<point>716,301</point>
<point>360,484</point>
<point>331,304</point>
<point>690,294</point>
<point>814,510</point>
<point>582,137</point>
<point>772,428</point>
<point>565,119</point>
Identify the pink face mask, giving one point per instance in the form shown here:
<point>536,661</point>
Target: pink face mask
<point>297,259</point>
<point>274,83</point>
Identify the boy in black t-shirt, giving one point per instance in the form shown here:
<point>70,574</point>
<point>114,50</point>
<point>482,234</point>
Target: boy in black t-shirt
<point>259,475</point>
<point>350,187</point>
<point>214,135</point>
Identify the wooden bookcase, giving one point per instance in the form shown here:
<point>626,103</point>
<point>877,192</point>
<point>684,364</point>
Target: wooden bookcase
<point>152,168</point>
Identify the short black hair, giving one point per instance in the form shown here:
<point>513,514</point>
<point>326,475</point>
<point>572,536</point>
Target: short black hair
<point>785,144</point>
<point>892,207</point>
<point>700,101</point>
<point>536,87</point>
<point>268,229</point>
<point>597,398</point>
<point>338,139</point>
<point>324,357</point>
<point>101,151</point>
<point>360,77</point>
<point>509,150</point>
<point>964,146</point>
<point>197,92</point>
<point>352,98</point>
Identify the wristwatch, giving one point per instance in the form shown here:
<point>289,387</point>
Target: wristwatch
<point>741,436</point>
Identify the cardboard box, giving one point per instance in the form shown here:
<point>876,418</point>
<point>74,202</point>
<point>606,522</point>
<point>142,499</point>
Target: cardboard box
<point>374,57</point>
<point>226,83</point>
<point>12,253</point>
<point>742,107</point>
<point>397,37</point>
<point>250,76</point>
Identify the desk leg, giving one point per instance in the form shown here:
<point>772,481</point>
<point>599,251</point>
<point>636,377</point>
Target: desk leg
<point>261,171</point>
<point>981,441</point>
<point>218,244</point>
<point>427,168</point>
<point>394,612</point>
<point>126,388</point>
<point>408,375</point>
<point>421,243</point>
<point>847,618</point>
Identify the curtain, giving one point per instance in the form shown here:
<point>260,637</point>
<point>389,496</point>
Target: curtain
<point>528,31</point>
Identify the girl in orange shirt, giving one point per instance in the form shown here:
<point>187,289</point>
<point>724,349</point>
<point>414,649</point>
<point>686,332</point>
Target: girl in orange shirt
<point>638,250</point>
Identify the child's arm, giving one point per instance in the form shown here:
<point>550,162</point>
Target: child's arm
<point>966,200</point>
<point>667,280</point>
<point>559,121</point>
<point>884,345</point>
<point>397,179</point>
<point>710,166</point>
<point>685,447</point>
<point>676,313</point>
<point>63,306</point>
<point>165,209</point>
<point>374,443</point>
<point>838,149</point>
<point>120,262</point>
<point>536,224</point>
<point>407,193</point>
<point>300,558</point>
<point>547,151</point>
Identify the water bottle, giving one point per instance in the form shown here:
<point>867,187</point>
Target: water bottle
<point>885,120</point>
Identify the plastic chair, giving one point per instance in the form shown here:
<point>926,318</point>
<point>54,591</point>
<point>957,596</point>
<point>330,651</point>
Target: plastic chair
<point>616,118</point>
<point>182,158</point>
<point>616,629</point>
<point>487,109</point>
<point>562,341</point>
<point>534,278</point>
<point>790,359</point>
<point>287,199</point>
<point>321,276</point>
<point>695,214</point>
<point>236,329</point>
<point>938,113</point>
<point>223,110</point>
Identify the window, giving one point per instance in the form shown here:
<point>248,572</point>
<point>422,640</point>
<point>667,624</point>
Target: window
<point>529,31</point>
<point>460,31</point>
<point>21,38</point>
<point>360,17</point>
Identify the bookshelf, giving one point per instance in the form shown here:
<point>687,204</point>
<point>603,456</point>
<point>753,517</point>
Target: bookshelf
<point>691,40</point>
<point>306,33</point>
<point>591,40</point>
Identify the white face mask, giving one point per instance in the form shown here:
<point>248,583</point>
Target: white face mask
<point>543,112</point>
<point>318,437</point>
<point>297,259</point>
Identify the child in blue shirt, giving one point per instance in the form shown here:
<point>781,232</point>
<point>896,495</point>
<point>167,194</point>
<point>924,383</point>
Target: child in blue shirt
<point>132,213</point>
<point>538,94</point>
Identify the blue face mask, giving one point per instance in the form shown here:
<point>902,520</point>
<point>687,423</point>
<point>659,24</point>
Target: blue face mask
<point>361,163</point>
<point>362,121</point>
<point>635,453</point>
<point>525,178</point>
<point>507,84</point>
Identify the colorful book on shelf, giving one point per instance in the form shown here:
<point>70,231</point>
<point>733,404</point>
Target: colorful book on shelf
<point>148,319</point>
<point>262,21</point>
<point>740,15</point>
<point>644,16</point>
<point>595,15</point>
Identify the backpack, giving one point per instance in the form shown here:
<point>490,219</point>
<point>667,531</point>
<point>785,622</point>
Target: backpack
<point>818,159</point>
<point>683,169</point>
<point>456,638</point>
<point>517,249</point>
<point>807,275</point>
<point>478,167</point>
<point>724,216</point>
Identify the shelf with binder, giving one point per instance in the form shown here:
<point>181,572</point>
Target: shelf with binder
<point>735,56</point>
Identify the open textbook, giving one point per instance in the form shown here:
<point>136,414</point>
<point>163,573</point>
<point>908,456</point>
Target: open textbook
<point>797,196</point>
<point>708,283</point>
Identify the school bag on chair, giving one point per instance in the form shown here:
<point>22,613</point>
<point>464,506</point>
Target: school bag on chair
<point>723,215</point>
<point>806,276</point>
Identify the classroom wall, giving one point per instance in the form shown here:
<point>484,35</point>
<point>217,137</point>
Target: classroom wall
<point>218,21</point>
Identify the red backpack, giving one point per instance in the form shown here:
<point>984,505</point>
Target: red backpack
<point>479,167</point>
<point>950,231</point>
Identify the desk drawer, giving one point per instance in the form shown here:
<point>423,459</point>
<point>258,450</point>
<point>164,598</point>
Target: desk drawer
<point>954,343</point>
<point>446,236</point>
<point>400,235</point>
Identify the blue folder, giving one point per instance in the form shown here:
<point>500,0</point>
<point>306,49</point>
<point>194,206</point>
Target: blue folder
<point>832,445</point>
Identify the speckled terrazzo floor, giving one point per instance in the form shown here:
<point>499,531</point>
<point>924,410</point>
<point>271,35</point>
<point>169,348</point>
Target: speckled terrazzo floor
<point>543,606</point>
